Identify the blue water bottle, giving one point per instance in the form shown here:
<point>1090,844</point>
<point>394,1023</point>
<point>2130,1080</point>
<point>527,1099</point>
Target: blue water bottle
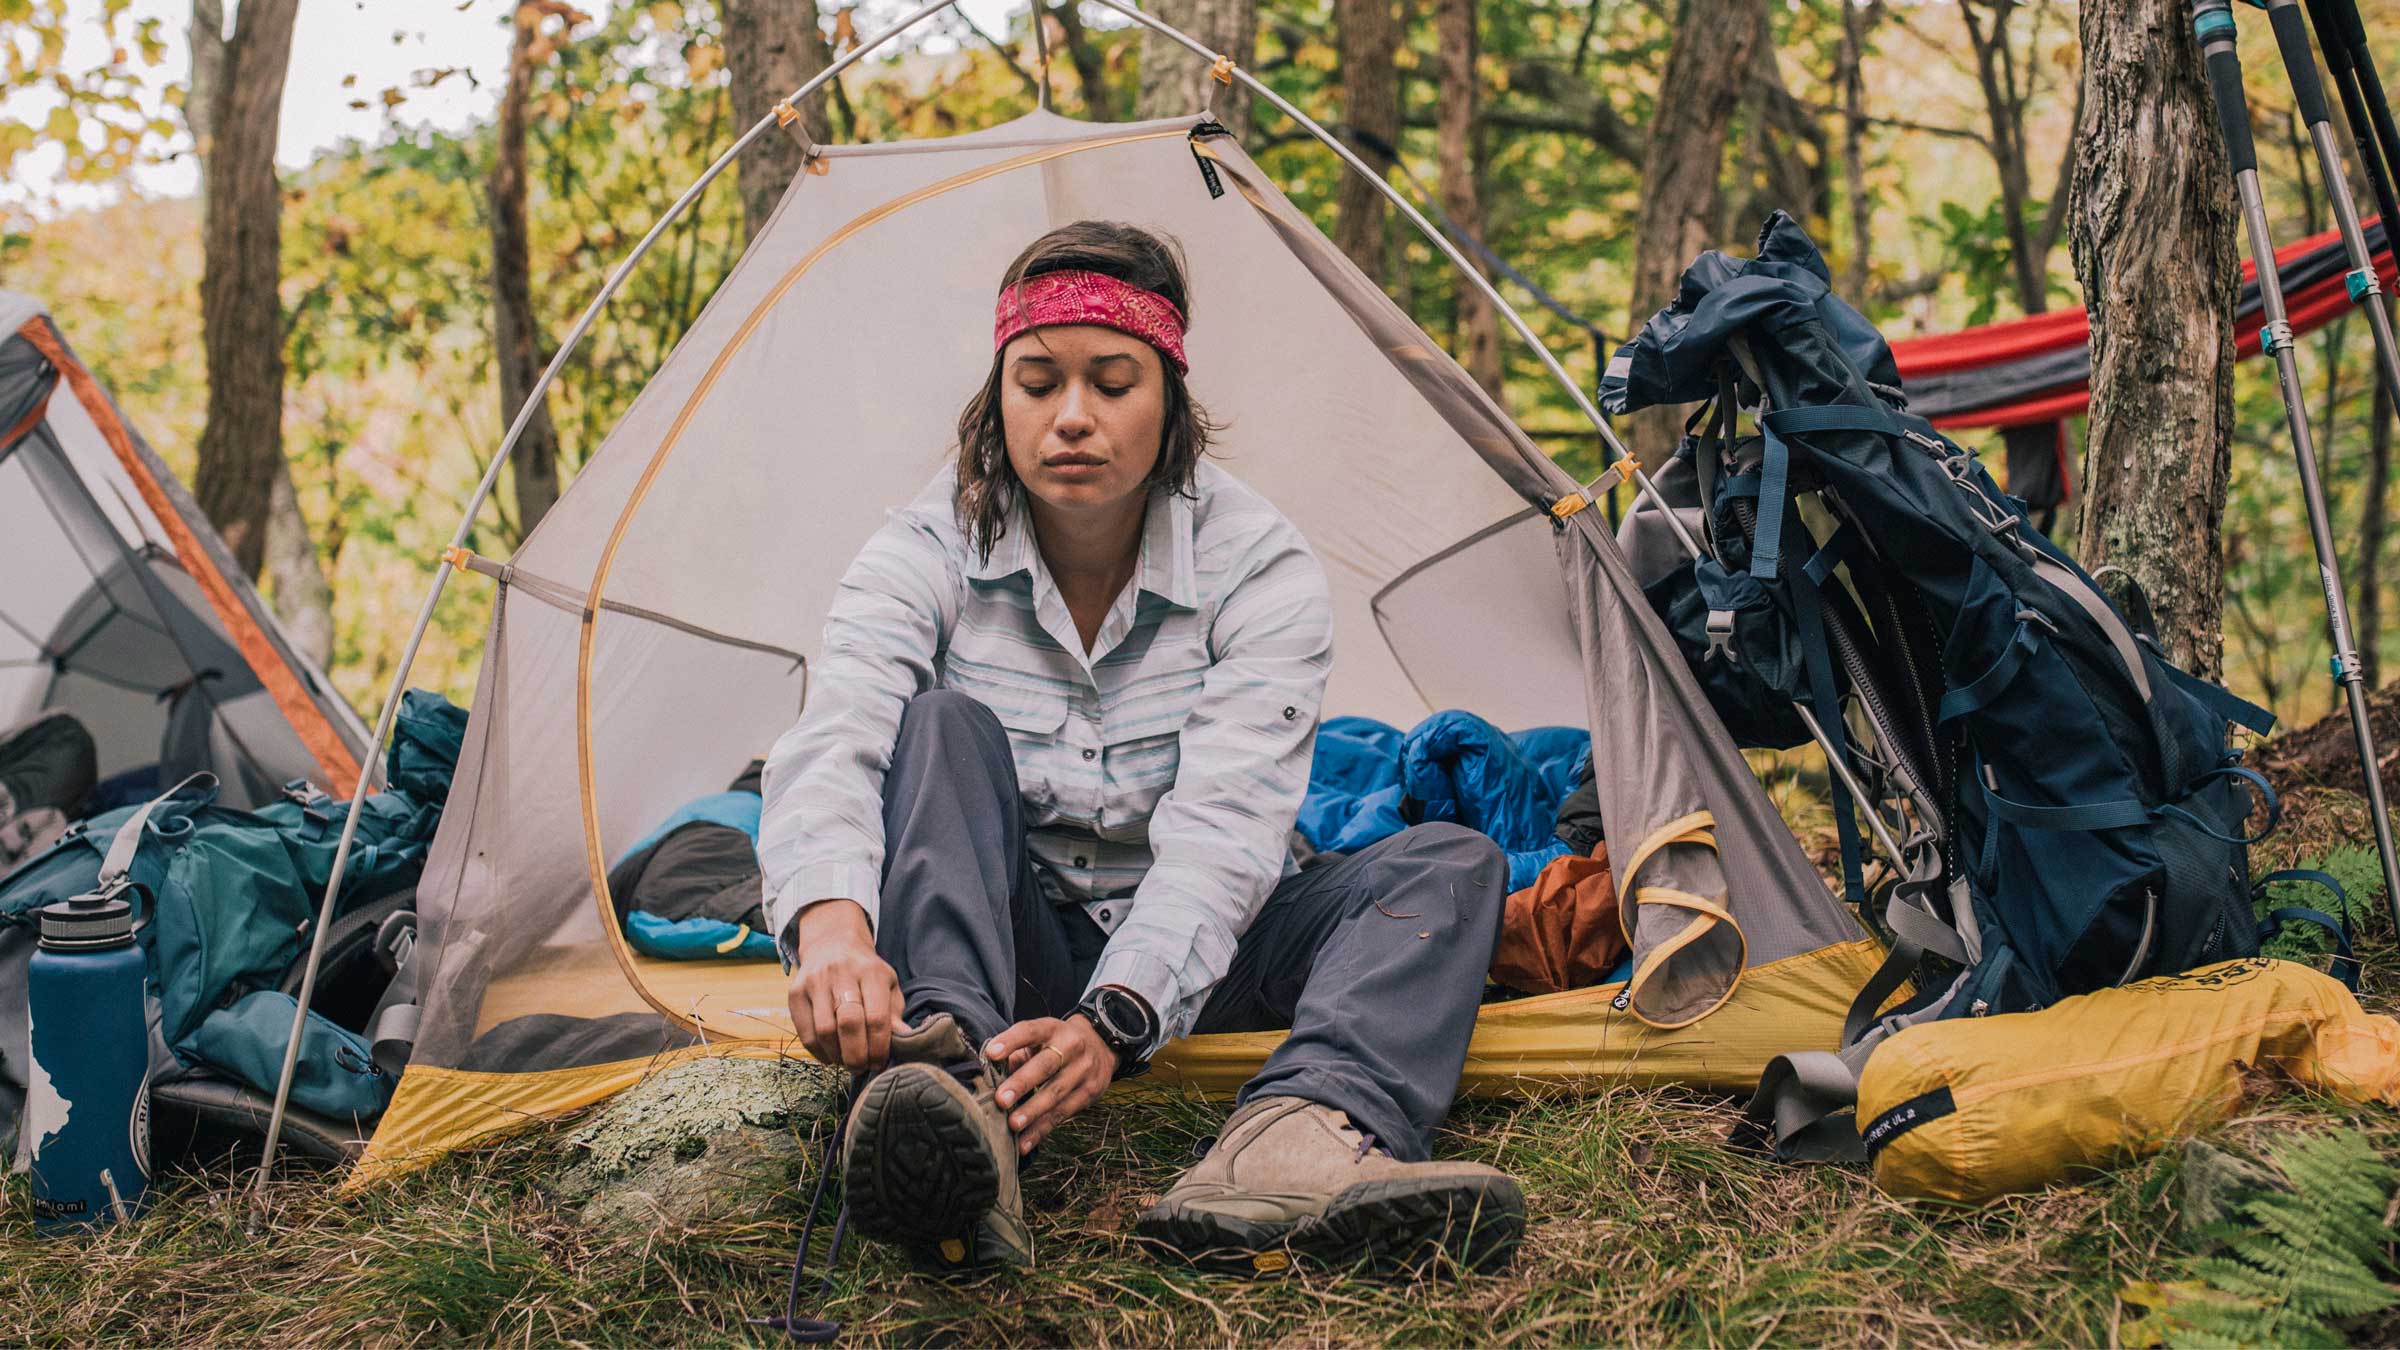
<point>87,1109</point>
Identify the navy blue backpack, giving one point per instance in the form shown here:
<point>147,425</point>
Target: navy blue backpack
<point>2062,810</point>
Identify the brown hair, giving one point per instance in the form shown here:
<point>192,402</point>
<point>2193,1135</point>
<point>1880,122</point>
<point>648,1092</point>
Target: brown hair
<point>987,483</point>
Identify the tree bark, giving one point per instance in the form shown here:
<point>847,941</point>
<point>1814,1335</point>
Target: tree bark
<point>2373,523</point>
<point>1850,77</point>
<point>516,339</point>
<point>296,584</point>
<point>1367,34</point>
<point>241,317</point>
<point>1478,335</point>
<point>2153,231</point>
<point>1175,81</point>
<point>772,47</point>
<point>1707,70</point>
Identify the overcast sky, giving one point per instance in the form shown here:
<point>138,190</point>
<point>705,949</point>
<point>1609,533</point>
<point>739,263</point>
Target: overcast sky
<point>383,43</point>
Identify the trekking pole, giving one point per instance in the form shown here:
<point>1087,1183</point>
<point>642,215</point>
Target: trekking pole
<point>2339,28</point>
<point>2212,24</point>
<point>2308,95</point>
<point>2353,69</point>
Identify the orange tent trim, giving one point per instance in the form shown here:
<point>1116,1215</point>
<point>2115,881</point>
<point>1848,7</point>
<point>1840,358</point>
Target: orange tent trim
<point>332,754</point>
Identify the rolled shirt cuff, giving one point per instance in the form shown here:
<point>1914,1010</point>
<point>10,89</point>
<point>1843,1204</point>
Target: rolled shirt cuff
<point>822,881</point>
<point>1149,977</point>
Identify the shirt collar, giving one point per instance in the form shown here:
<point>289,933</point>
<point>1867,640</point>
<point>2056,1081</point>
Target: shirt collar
<point>1164,568</point>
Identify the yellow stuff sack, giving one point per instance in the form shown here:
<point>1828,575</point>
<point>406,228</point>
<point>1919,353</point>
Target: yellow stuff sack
<point>1972,1108</point>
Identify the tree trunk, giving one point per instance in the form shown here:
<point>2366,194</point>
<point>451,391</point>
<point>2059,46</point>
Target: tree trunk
<point>772,47</point>
<point>1462,199</point>
<point>296,583</point>
<point>516,340</point>
<point>241,317</point>
<point>1175,82</point>
<point>2004,115</point>
<point>1707,69</point>
<point>1850,76</point>
<point>1367,34</point>
<point>2153,231</point>
<point>2372,522</point>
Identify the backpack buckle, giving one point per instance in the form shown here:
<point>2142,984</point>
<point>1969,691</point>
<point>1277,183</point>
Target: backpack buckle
<point>1720,636</point>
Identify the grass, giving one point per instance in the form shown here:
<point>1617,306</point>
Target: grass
<point>1645,1230</point>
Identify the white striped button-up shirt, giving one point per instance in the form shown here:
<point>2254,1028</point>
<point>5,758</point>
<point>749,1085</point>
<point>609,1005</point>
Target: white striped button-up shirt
<point>1160,772</point>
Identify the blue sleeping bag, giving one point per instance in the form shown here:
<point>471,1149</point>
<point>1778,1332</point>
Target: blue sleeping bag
<point>1369,781</point>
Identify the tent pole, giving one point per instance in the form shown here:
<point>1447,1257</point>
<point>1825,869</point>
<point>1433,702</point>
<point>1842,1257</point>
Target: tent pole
<point>2213,26</point>
<point>458,543</point>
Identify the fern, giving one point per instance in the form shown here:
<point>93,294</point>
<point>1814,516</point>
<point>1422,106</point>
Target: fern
<point>2293,1263</point>
<point>2361,875</point>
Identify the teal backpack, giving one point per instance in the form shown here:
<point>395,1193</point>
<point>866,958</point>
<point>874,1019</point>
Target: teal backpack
<point>225,900</point>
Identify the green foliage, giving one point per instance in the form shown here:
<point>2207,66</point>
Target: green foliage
<point>2360,873</point>
<point>2295,1261</point>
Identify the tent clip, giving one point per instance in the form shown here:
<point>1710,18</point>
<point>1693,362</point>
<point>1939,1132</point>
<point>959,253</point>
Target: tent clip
<point>2362,283</point>
<point>459,558</point>
<point>2274,337</point>
<point>1222,70</point>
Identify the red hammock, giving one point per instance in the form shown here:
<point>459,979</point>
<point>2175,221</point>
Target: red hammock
<point>2025,372</point>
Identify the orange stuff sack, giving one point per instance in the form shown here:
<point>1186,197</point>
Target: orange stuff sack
<point>1561,932</point>
<point>1977,1107</point>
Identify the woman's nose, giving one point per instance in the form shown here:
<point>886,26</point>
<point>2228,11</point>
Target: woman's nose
<point>1075,413</point>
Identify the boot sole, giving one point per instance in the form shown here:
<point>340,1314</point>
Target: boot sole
<point>1415,1228</point>
<point>1401,1227</point>
<point>916,1168</point>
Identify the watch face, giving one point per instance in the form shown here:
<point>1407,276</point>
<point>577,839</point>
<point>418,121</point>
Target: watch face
<point>1122,1016</point>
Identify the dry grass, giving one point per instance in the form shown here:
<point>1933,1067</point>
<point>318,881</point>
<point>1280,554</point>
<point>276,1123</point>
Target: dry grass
<point>1646,1231</point>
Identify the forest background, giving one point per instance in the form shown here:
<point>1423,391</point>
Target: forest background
<point>1924,144</point>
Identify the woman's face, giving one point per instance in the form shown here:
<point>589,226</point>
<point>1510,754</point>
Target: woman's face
<point>1084,409</point>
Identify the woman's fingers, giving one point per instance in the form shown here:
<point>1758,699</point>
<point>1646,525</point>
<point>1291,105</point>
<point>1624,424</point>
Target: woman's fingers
<point>1036,1065</point>
<point>821,1039</point>
<point>879,1021</point>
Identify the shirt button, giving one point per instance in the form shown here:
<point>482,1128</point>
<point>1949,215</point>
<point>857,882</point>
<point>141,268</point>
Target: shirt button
<point>1091,754</point>
<point>1104,916</point>
<point>1291,714</point>
<point>1083,862</point>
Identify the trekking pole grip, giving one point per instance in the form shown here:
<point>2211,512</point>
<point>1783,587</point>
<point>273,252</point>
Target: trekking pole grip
<point>2212,24</point>
<point>2299,60</point>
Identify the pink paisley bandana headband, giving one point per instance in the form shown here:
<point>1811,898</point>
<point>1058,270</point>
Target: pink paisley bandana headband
<point>1056,298</point>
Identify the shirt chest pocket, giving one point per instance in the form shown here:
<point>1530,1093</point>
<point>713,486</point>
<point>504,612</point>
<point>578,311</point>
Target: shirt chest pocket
<point>1141,736</point>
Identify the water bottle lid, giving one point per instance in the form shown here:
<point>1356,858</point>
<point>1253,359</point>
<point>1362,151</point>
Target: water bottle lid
<point>86,921</point>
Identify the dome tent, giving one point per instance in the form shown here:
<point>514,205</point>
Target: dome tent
<point>655,630</point>
<point>124,608</point>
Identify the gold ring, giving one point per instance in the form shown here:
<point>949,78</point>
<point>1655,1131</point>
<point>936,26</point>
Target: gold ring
<point>1062,1055</point>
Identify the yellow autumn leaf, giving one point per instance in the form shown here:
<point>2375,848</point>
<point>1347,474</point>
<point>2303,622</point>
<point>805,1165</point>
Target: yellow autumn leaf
<point>63,125</point>
<point>393,98</point>
<point>706,61</point>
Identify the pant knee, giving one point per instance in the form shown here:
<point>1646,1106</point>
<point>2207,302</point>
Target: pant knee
<point>940,712</point>
<point>1449,864</point>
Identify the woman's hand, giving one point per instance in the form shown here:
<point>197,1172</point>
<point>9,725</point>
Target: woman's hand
<point>1062,1066</point>
<point>844,997</point>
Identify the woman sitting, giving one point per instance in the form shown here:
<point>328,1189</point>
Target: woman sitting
<point>1034,822</point>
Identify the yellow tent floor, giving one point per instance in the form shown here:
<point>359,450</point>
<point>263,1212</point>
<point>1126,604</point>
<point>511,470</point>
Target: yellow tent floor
<point>1551,1042</point>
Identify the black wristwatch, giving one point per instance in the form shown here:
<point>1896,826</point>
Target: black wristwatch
<point>1126,1026</point>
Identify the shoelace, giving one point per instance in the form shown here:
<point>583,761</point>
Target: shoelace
<point>820,1330</point>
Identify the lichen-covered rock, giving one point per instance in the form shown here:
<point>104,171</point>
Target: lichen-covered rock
<point>706,1139</point>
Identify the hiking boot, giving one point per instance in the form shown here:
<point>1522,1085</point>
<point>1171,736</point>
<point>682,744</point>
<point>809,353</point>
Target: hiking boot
<point>928,1160</point>
<point>1291,1178</point>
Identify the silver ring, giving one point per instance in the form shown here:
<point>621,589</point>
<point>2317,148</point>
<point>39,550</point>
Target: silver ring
<point>846,996</point>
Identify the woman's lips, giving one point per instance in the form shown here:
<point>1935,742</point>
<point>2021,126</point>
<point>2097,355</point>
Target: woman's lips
<point>1075,466</point>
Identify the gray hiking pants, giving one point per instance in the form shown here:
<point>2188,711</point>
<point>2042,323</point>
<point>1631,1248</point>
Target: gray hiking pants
<point>1376,962</point>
